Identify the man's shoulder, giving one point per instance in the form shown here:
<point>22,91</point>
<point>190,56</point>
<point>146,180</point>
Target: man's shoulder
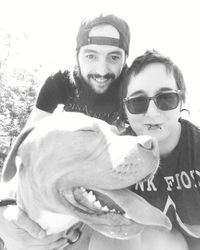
<point>61,81</point>
<point>61,76</point>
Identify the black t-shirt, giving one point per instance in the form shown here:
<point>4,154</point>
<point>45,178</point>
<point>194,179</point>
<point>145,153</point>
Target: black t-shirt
<point>175,188</point>
<point>56,90</point>
<point>76,96</point>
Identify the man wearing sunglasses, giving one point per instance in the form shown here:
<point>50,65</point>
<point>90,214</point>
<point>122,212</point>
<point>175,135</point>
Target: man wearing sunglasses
<point>154,91</point>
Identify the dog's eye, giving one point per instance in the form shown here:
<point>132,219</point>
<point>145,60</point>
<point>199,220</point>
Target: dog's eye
<point>87,130</point>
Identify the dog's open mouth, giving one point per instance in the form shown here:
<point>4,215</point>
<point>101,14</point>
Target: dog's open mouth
<point>95,202</point>
<point>122,212</point>
<point>92,201</point>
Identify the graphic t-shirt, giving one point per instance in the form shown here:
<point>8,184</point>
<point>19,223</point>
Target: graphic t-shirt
<point>77,96</point>
<point>175,188</point>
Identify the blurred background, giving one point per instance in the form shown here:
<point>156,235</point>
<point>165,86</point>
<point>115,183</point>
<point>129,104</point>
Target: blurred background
<point>38,37</point>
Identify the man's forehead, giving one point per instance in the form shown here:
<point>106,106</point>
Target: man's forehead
<point>104,30</point>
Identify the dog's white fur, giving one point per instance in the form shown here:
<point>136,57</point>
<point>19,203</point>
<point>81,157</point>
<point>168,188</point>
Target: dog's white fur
<point>69,150</point>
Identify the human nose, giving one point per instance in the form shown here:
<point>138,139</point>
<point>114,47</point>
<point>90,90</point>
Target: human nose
<point>102,67</point>
<point>152,109</point>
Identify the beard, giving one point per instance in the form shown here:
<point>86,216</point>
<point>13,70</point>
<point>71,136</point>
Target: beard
<point>111,93</point>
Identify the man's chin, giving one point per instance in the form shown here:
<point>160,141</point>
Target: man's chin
<point>100,90</point>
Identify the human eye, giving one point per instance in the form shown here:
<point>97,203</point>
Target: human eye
<point>138,99</point>
<point>115,58</point>
<point>90,56</point>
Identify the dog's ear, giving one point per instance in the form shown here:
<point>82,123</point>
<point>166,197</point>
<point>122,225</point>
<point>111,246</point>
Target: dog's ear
<point>9,168</point>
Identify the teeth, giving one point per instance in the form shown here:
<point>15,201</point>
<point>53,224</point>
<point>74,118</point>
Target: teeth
<point>85,194</point>
<point>126,215</point>
<point>97,204</point>
<point>105,209</point>
<point>100,79</point>
<point>153,126</point>
<point>91,197</point>
<point>82,189</point>
<point>113,211</point>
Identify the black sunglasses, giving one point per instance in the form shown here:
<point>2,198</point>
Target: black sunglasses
<point>164,101</point>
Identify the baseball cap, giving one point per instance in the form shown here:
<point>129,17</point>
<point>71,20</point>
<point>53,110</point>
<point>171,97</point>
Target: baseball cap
<point>122,27</point>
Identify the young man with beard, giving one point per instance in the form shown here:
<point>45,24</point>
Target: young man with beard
<point>91,88</point>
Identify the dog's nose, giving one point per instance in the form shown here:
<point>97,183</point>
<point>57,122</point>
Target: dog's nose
<point>147,143</point>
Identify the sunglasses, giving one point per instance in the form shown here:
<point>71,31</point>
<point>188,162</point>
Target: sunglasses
<point>164,101</point>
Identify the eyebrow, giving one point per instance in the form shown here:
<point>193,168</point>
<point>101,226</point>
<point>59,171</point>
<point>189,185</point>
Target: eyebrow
<point>116,52</point>
<point>96,52</point>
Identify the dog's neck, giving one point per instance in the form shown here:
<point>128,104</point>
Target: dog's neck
<point>50,221</point>
<point>54,223</point>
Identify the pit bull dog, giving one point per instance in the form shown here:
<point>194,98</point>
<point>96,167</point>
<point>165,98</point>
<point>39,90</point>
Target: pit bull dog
<point>72,168</point>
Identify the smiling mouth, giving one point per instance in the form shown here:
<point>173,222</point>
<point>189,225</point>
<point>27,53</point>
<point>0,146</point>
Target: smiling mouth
<point>101,80</point>
<point>92,202</point>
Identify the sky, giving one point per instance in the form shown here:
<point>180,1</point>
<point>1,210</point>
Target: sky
<point>170,26</point>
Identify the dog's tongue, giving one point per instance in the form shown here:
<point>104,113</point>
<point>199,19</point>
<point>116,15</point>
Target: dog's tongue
<point>138,209</point>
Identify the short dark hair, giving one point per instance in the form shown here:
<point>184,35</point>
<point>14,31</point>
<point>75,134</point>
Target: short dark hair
<point>149,57</point>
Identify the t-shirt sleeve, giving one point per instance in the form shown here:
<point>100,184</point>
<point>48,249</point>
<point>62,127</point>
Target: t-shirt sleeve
<point>53,92</point>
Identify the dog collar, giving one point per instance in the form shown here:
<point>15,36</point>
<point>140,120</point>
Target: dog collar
<point>6,202</point>
<point>74,233</point>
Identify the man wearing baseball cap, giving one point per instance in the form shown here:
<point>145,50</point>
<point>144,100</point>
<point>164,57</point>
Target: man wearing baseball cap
<point>92,87</point>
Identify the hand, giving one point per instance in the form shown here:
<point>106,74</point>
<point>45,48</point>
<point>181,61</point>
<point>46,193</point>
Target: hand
<point>19,232</point>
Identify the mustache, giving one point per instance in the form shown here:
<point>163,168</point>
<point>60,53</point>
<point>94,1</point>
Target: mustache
<point>106,76</point>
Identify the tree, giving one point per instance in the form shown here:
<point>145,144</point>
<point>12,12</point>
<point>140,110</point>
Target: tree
<point>20,77</point>
<point>16,104</point>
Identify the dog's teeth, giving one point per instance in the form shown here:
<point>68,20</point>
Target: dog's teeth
<point>105,209</point>
<point>113,210</point>
<point>82,189</point>
<point>97,204</point>
<point>91,197</point>
<point>85,194</point>
<point>126,215</point>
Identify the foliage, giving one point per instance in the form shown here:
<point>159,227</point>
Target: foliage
<point>16,103</point>
<point>18,90</point>
<point>15,106</point>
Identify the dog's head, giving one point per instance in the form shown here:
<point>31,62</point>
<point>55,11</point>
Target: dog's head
<point>79,167</point>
